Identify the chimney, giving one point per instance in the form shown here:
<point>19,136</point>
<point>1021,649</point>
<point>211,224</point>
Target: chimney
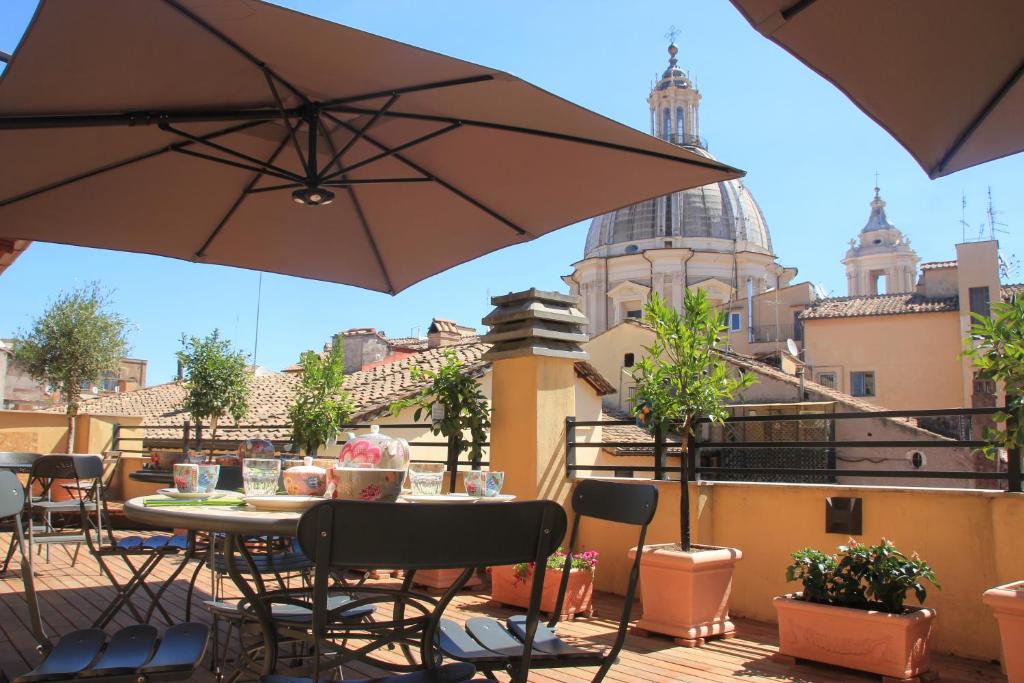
<point>444,333</point>
<point>181,370</point>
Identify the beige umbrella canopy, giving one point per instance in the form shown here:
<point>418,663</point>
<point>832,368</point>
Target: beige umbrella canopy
<point>944,77</point>
<point>240,133</point>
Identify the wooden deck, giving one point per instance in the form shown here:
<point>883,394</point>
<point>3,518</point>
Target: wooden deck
<point>71,597</point>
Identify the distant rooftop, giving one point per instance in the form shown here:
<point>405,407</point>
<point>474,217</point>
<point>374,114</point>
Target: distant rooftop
<point>883,304</point>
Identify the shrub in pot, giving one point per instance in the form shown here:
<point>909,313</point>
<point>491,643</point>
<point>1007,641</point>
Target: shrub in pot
<point>685,587</point>
<point>510,584</point>
<point>851,610</point>
<point>996,345</point>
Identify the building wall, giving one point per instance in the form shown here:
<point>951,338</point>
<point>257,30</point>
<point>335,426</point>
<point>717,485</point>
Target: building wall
<point>773,320</point>
<point>970,538</point>
<point>915,357</point>
<point>977,266</point>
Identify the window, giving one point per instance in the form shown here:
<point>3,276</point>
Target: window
<point>979,301</point>
<point>109,381</point>
<point>666,124</point>
<point>735,322</point>
<point>679,125</point>
<point>798,326</point>
<point>862,383</point>
<point>827,379</point>
<point>628,360</point>
<point>635,313</point>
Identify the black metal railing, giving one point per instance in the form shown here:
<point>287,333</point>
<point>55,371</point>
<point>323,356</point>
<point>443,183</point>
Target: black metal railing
<point>192,439</point>
<point>691,467</point>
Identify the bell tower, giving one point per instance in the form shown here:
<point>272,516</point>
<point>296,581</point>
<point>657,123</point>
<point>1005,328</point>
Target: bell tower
<point>881,261</point>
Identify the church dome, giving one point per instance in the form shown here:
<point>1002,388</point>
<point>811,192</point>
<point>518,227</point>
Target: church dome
<point>725,211</point>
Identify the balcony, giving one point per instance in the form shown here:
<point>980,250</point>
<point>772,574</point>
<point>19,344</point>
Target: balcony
<point>776,333</point>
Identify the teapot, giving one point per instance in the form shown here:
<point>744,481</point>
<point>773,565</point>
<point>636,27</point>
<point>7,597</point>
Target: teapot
<point>375,450</point>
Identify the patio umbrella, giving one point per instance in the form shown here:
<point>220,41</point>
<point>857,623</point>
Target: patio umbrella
<point>944,77</point>
<point>242,133</point>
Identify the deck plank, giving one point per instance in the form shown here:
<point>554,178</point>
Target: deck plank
<point>72,597</point>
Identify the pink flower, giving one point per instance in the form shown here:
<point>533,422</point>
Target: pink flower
<point>371,493</point>
<point>361,452</point>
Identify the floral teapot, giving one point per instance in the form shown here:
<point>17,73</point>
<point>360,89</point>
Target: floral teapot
<point>375,450</point>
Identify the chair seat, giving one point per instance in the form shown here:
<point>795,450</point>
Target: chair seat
<point>63,505</point>
<point>546,641</point>
<point>449,673</point>
<point>278,563</point>
<point>295,613</point>
<point>152,543</point>
<point>135,650</point>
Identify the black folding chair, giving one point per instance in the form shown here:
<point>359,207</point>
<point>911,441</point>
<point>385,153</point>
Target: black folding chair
<point>136,653</point>
<point>356,535</point>
<point>488,643</point>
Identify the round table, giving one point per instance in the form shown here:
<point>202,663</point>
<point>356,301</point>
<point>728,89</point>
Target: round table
<point>236,523</point>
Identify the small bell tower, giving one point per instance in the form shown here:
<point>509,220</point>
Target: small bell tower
<point>674,103</point>
<point>881,261</point>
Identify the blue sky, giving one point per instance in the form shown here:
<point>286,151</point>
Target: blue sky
<point>810,157</point>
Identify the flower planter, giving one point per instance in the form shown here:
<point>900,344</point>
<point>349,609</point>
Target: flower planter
<point>892,645</point>
<point>686,595</point>
<point>508,589</point>
<point>443,579</point>
<point>1008,604</point>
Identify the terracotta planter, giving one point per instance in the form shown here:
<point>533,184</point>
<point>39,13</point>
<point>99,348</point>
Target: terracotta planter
<point>686,595</point>
<point>892,645</point>
<point>1008,604</point>
<point>508,590</point>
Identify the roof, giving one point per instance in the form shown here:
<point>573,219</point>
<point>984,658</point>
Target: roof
<point>373,390</point>
<point>10,250</point>
<point>933,265</point>
<point>883,304</point>
<point>450,326</point>
<point>1012,291</point>
<point>631,434</point>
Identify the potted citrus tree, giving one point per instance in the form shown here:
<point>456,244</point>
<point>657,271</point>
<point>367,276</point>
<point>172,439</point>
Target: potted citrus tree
<point>685,587</point>
<point>851,610</point>
<point>996,346</point>
<point>510,584</point>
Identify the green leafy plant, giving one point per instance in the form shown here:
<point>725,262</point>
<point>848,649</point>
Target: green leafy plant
<point>320,405</point>
<point>584,561</point>
<point>72,343</point>
<point>216,380</point>
<point>996,346</point>
<point>465,406</point>
<point>682,377</point>
<point>861,576</point>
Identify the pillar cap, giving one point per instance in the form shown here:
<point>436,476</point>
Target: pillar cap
<point>535,323</point>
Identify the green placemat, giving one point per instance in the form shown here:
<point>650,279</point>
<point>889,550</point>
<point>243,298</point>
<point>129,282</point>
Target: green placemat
<point>169,502</point>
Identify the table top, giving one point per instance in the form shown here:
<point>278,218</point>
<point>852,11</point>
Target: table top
<point>233,520</point>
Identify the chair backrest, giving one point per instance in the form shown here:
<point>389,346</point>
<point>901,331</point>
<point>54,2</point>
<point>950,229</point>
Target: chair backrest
<point>12,502</point>
<point>230,478</point>
<point>76,467</point>
<point>360,535</point>
<point>622,503</point>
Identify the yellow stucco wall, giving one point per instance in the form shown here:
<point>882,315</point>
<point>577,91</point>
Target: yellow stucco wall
<point>970,538</point>
<point>915,358</point>
<point>30,432</point>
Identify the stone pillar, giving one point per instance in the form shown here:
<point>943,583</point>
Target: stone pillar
<point>536,339</point>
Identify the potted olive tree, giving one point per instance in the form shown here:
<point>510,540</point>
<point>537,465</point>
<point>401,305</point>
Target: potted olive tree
<point>216,381</point>
<point>320,405</point>
<point>851,611</point>
<point>996,346</point>
<point>685,587</point>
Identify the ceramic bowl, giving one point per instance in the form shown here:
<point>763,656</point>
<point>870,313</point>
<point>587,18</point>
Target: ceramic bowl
<point>364,483</point>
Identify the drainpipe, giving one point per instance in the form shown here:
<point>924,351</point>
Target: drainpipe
<point>750,310</point>
<point>644,254</point>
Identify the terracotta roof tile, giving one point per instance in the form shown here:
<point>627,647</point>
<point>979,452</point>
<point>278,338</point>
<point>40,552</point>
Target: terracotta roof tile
<point>1012,291</point>
<point>884,304</point>
<point>631,434</point>
<point>590,374</point>
<point>932,265</point>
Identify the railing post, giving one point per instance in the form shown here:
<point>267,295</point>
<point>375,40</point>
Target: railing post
<point>115,437</point>
<point>570,446</point>
<point>691,455</point>
<point>1013,469</point>
<point>453,462</point>
<point>186,434</point>
<point>659,451</point>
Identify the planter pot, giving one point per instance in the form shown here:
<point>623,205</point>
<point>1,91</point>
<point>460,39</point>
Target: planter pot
<point>892,645</point>
<point>506,589</point>
<point>443,578</point>
<point>1008,604</point>
<point>686,594</point>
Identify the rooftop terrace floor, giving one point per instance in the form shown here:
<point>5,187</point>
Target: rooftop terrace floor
<point>71,597</point>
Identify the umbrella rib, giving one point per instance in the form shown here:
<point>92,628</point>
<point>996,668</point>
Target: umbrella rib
<point>408,89</point>
<point>120,164</point>
<point>241,198</point>
<point>235,46</point>
<point>361,216</point>
<point>274,188</point>
<point>235,164</point>
<point>443,183</point>
<point>795,9</point>
<point>978,120</point>
<point>374,181</point>
<point>227,150</point>
<point>718,166</point>
<point>403,146</point>
<point>355,138</point>
<point>284,115</point>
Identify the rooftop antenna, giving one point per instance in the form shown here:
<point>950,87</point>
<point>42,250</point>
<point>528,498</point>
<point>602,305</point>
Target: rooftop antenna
<point>259,300</point>
<point>991,214</point>
<point>963,216</point>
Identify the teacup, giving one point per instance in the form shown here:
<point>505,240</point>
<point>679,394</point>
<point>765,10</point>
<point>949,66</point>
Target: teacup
<point>207,477</point>
<point>483,484</point>
<point>186,477</point>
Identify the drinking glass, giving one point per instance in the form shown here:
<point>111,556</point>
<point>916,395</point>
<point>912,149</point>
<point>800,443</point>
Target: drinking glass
<point>426,478</point>
<point>260,476</point>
